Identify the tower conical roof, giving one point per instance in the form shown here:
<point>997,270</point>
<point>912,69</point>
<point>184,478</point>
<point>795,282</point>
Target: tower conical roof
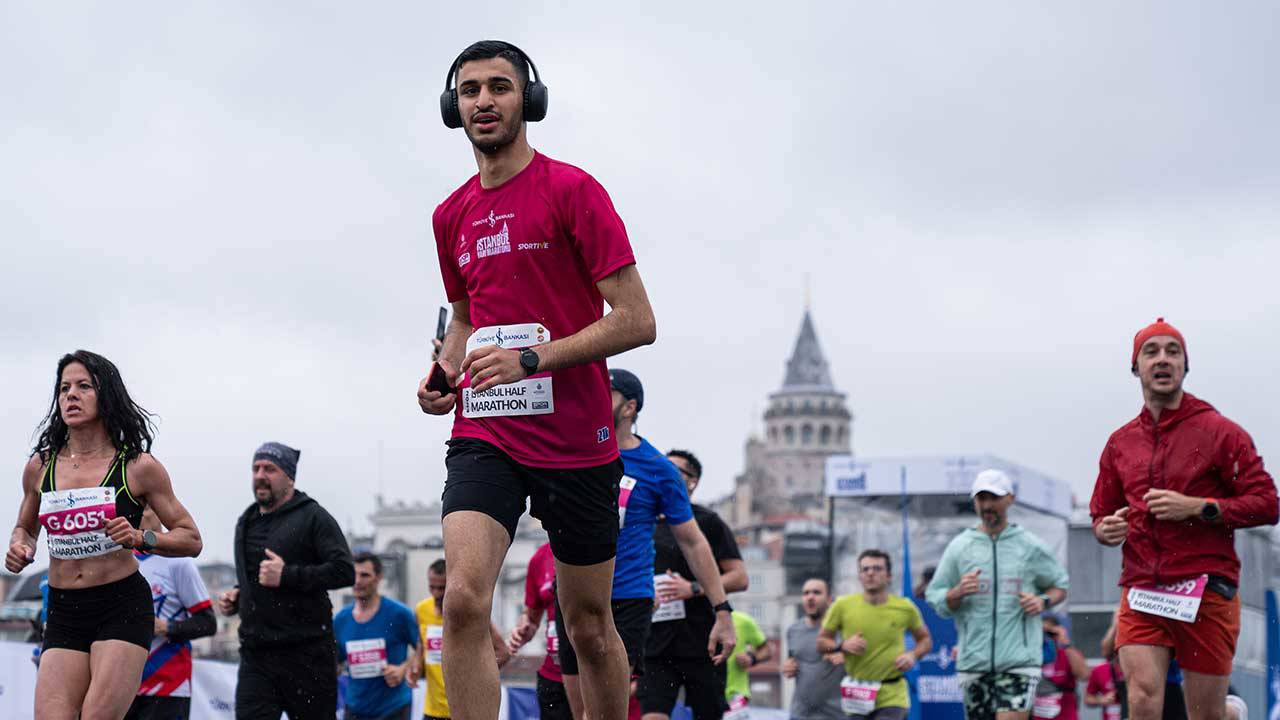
<point>807,368</point>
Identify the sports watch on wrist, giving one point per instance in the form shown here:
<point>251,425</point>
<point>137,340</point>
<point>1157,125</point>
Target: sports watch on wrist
<point>1210,512</point>
<point>529,361</point>
<point>723,607</point>
<point>148,541</point>
<point>696,588</point>
<point>1046,600</point>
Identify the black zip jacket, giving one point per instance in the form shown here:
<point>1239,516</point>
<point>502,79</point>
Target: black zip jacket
<point>316,560</point>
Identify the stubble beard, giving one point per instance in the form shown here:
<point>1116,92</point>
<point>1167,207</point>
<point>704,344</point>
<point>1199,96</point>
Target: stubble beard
<point>495,146</point>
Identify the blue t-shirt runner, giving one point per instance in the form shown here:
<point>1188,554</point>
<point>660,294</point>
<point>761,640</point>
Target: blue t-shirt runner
<point>368,647</point>
<point>651,486</point>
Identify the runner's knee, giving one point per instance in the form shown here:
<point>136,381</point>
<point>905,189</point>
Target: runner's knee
<point>466,604</point>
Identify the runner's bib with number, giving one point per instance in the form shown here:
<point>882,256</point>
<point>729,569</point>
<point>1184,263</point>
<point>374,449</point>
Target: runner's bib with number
<point>435,644</point>
<point>739,708</point>
<point>366,658</point>
<point>76,521</point>
<point>553,642</point>
<point>625,486</point>
<point>1047,706</point>
<point>858,697</point>
<point>1178,601</point>
<point>667,611</point>
<point>530,396</point>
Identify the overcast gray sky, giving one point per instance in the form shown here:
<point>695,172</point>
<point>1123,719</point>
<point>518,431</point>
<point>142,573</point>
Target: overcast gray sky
<point>232,201</point>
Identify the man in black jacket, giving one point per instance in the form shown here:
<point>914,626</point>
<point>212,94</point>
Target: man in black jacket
<point>289,553</point>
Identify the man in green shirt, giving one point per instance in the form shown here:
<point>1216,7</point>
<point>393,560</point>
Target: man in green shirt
<point>873,624</point>
<point>752,649</point>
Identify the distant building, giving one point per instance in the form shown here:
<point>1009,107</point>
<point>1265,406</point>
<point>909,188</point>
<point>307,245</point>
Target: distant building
<point>806,421</point>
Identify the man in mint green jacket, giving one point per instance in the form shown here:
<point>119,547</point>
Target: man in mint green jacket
<point>995,580</point>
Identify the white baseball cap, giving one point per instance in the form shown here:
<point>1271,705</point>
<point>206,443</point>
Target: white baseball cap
<point>992,481</point>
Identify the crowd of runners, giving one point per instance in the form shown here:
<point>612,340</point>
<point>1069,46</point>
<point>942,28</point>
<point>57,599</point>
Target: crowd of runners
<point>632,585</point>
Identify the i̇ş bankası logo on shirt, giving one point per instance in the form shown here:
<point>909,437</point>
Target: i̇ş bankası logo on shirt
<point>492,220</point>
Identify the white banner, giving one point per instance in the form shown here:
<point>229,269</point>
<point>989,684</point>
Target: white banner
<point>847,476</point>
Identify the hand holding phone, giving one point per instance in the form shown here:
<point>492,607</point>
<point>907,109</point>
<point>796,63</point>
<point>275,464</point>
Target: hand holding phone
<point>438,380</point>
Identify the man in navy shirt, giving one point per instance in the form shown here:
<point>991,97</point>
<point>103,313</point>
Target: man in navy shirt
<point>377,640</point>
<point>651,488</point>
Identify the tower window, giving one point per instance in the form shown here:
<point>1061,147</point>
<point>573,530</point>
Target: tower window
<point>806,434</point>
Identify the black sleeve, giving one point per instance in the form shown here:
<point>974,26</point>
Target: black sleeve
<point>723,546</point>
<point>335,569</point>
<point>202,624</point>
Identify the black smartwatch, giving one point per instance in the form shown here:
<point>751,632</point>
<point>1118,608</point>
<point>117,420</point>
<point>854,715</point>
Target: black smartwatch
<point>723,607</point>
<point>1048,601</point>
<point>148,541</point>
<point>695,588</point>
<point>529,361</point>
<point>1211,512</point>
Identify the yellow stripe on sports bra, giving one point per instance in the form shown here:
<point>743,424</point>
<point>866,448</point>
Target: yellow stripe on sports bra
<point>47,484</point>
<point>124,482</point>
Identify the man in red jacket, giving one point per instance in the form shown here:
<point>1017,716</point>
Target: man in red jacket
<point>1173,485</point>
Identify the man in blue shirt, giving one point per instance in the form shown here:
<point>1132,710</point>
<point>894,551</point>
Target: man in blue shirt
<point>651,488</point>
<point>377,641</point>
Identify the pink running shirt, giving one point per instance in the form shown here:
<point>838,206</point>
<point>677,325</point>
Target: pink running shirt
<point>528,254</point>
<point>539,593</point>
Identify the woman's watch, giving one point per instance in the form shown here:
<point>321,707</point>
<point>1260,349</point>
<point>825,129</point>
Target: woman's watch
<point>148,541</point>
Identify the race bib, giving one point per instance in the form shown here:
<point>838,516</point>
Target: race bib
<point>76,521</point>
<point>1178,600</point>
<point>366,658</point>
<point>625,486</point>
<point>1047,706</point>
<point>553,642</point>
<point>1111,712</point>
<point>667,611</point>
<point>435,644</point>
<point>739,708</point>
<point>530,396</point>
<point>858,697</point>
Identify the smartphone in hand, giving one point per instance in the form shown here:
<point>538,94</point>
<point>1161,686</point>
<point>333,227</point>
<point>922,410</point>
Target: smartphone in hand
<point>438,381</point>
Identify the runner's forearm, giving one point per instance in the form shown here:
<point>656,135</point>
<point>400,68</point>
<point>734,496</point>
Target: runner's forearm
<point>202,624</point>
<point>696,551</point>
<point>619,331</point>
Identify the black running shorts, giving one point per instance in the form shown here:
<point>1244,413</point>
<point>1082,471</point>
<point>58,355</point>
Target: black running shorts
<point>703,686</point>
<point>578,507</point>
<point>553,702</point>
<point>119,610</point>
<point>632,617</point>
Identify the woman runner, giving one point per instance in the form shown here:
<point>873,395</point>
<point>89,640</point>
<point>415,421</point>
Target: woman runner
<point>88,480</point>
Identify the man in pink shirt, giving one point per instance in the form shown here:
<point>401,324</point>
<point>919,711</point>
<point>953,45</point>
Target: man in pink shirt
<point>530,249</point>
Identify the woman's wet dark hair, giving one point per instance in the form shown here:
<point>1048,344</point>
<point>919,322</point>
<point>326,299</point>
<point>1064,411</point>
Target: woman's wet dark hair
<point>128,424</point>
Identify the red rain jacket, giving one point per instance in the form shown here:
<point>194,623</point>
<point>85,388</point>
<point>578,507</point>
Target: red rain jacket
<point>1197,452</point>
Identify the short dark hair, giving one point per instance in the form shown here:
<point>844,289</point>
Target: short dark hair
<point>489,49</point>
<point>437,567</point>
<point>363,557</point>
<point>874,553</point>
<point>826,586</point>
<point>690,458</point>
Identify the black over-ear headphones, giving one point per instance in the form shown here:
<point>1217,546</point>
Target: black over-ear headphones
<point>535,94</point>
